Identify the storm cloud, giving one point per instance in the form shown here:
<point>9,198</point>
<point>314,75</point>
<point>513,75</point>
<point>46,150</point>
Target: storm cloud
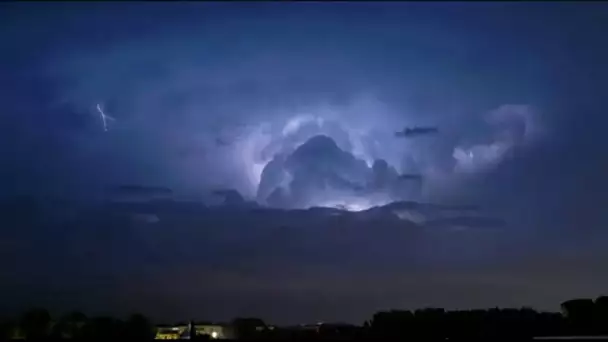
<point>235,97</point>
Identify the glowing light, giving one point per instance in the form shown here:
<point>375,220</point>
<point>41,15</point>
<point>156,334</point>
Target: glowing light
<point>214,334</point>
<point>356,207</point>
<point>294,124</point>
<point>249,152</point>
<point>350,204</point>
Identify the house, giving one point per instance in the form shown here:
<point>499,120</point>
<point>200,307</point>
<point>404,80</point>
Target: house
<point>182,331</point>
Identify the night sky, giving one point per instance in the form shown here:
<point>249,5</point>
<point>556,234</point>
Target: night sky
<point>277,108</point>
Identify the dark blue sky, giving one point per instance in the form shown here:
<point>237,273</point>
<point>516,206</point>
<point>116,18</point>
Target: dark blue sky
<point>516,89</point>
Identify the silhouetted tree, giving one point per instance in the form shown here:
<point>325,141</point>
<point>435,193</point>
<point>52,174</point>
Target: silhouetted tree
<point>578,308</point>
<point>138,327</point>
<point>429,322</point>
<point>7,327</point>
<point>70,325</point>
<point>35,324</point>
<point>579,315</point>
<point>395,323</point>
<point>102,329</point>
<point>247,328</point>
<point>601,314</point>
<point>492,324</point>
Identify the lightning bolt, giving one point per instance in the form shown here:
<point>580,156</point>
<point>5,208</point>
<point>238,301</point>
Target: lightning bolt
<point>104,118</point>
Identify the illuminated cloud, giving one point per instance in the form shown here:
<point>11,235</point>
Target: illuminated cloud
<point>479,157</point>
<point>234,86</point>
<point>514,126</point>
<point>518,123</point>
<point>319,173</point>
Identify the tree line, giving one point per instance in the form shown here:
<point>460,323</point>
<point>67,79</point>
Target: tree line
<point>37,324</point>
<point>578,317</point>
